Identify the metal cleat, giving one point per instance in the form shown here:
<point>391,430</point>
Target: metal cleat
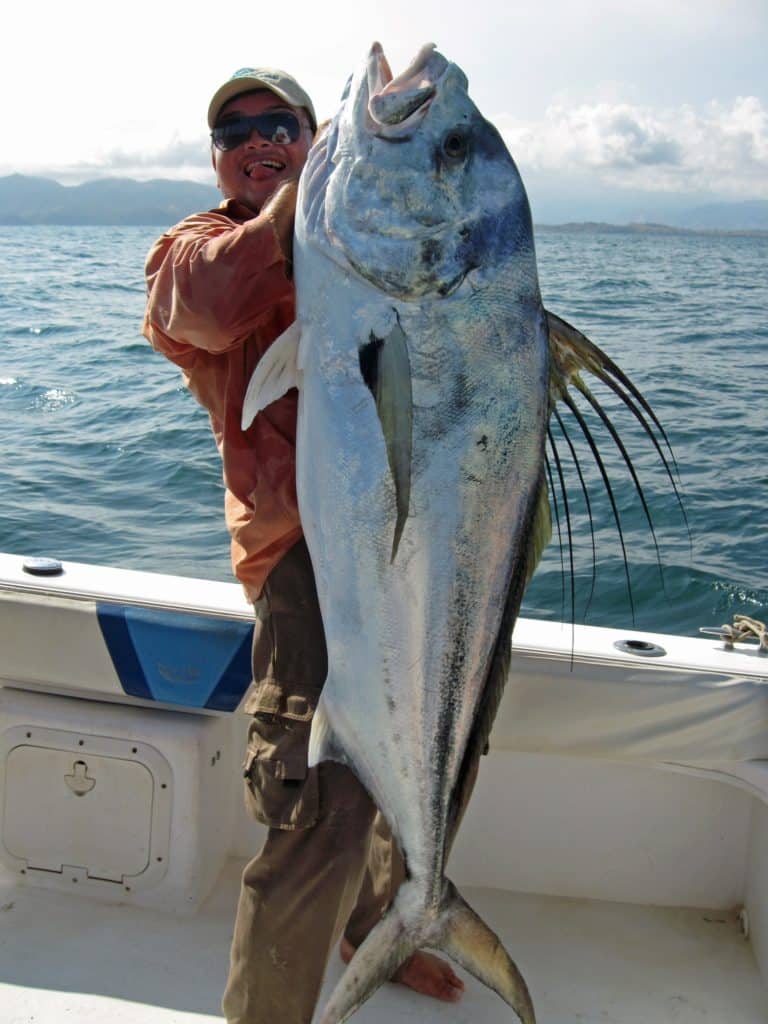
<point>743,630</point>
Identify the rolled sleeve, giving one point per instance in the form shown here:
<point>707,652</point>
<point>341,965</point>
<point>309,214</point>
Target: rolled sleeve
<point>209,282</point>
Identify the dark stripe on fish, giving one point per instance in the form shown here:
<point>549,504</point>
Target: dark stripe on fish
<point>523,562</point>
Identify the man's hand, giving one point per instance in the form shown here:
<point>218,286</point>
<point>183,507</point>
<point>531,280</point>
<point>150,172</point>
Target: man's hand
<point>281,209</point>
<point>281,206</point>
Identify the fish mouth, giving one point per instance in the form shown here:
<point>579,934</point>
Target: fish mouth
<point>394,106</point>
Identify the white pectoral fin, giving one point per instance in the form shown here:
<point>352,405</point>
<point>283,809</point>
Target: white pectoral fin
<point>323,745</point>
<point>276,372</point>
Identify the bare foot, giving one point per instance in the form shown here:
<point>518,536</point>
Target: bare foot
<point>422,972</point>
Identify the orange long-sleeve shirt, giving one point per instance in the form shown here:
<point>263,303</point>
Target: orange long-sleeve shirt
<point>218,294</point>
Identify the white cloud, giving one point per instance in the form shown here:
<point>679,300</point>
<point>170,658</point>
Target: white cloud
<point>719,150</point>
<point>181,160</point>
<point>722,149</point>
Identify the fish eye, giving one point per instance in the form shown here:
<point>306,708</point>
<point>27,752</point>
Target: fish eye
<point>455,144</point>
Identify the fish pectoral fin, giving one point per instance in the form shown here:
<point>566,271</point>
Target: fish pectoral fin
<point>468,940</point>
<point>386,369</point>
<point>276,372</point>
<point>323,744</point>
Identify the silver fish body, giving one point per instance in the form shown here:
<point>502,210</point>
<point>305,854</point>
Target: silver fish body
<point>421,354</point>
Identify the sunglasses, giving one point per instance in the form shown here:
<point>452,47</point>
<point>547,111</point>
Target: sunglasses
<point>281,127</point>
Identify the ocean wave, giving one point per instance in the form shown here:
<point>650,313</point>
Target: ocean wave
<point>107,458</point>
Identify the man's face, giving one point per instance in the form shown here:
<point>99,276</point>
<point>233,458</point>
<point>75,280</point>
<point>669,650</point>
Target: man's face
<point>253,170</point>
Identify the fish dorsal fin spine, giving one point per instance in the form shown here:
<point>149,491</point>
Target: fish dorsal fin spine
<point>571,352</point>
<point>276,372</point>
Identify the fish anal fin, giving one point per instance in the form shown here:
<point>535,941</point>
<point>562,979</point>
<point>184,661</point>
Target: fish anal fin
<point>541,530</point>
<point>276,372</point>
<point>386,369</point>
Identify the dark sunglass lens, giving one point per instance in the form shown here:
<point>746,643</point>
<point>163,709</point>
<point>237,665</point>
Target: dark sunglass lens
<point>231,135</point>
<point>282,127</point>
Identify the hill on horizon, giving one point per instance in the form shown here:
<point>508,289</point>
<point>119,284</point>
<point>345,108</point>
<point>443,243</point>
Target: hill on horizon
<point>28,200</point>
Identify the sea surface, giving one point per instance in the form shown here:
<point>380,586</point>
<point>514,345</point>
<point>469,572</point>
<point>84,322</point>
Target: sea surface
<point>107,459</point>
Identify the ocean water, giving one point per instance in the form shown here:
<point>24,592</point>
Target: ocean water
<point>107,459</point>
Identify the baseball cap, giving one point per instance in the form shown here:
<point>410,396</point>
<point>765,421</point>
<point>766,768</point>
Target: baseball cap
<point>246,79</point>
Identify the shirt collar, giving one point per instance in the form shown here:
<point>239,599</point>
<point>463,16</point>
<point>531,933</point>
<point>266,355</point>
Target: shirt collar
<point>237,210</point>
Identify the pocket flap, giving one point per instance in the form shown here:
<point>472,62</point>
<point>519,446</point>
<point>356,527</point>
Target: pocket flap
<point>285,760</point>
<point>293,768</point>
<point>281,792</point>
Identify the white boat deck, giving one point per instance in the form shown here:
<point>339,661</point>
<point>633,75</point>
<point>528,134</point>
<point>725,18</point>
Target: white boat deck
<point>629,785</point>
<point>67,959</point>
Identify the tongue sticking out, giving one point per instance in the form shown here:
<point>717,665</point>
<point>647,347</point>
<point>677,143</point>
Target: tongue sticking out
<point>393,100</point>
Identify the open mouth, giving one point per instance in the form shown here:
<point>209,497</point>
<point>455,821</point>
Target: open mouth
<point>255,166</point>
<point>396,104</point>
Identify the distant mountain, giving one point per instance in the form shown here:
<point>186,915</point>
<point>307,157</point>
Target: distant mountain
<point>33,200</point>
<point>28,200</point>
<point>746,216</point>
<point>603,228</point>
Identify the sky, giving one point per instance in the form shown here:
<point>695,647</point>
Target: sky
<point>624,109</point>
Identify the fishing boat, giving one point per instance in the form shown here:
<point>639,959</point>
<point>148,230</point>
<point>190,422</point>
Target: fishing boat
<point>617,839</point>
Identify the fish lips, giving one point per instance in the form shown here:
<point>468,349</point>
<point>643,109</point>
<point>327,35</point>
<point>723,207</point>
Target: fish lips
<point>391,107</point>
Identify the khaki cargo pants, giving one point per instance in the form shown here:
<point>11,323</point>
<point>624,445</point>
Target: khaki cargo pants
<point>329,865</point>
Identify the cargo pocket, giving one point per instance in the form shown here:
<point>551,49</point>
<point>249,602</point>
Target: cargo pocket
<point>280,791</point>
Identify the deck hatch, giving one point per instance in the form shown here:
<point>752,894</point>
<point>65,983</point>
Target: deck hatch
<point>89,808</point>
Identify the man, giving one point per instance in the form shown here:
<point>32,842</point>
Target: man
<point>219,293</point>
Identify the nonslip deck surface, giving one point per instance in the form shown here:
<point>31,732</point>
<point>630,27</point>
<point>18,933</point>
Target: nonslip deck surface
<point>65,959</point>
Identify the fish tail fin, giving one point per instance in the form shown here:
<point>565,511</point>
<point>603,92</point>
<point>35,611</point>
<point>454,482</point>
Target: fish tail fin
<point>386,948</point>
<point>456,929</point>
<point>468,940</point>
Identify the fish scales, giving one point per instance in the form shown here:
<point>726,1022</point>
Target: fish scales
<point>452,564</point>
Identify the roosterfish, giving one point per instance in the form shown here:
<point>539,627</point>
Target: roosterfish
<point>427,370</point>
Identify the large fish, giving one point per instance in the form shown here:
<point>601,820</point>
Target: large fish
<point>427,369</point>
